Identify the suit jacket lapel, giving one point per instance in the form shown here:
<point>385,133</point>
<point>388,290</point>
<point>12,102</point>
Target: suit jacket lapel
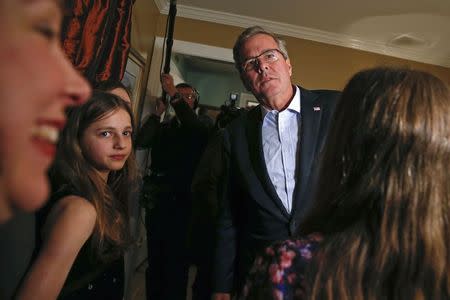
<point>254,137</point>
<point>310,124</point>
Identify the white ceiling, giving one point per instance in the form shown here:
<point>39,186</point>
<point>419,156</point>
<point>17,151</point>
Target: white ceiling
<point>418,30</point>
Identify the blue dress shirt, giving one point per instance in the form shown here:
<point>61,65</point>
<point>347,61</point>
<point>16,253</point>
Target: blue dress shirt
<point>280,141</point>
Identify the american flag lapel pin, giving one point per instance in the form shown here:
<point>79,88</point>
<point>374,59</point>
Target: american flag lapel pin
<point>316,108</point>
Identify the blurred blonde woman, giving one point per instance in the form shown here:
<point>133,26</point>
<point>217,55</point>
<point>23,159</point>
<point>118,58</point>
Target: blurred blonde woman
<point>37,84</point>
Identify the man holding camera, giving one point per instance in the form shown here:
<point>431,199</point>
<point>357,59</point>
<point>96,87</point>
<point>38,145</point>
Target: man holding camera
<point>176,147</point>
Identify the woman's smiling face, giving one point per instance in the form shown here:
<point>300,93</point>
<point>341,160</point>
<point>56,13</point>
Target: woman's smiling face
<point>37,84</point>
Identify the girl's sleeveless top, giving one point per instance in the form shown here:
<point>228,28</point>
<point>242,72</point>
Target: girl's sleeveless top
<point>89,277</point>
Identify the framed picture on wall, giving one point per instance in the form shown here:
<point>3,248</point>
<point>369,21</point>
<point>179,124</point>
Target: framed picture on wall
<point>133,77</point>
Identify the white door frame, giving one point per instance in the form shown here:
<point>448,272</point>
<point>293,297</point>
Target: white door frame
<point>182,47</point>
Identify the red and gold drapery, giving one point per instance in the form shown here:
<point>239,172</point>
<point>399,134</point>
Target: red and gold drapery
<point>96,37</point>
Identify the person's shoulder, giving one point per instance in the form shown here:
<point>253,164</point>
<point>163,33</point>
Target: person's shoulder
<point>320,94</point>
<point>69,225</point>
<point>74,213</point>
<point>328,95</point>
<point>326,92</point>
<point>244,116</point>
<point>77,204</point>
<point>325,99</point>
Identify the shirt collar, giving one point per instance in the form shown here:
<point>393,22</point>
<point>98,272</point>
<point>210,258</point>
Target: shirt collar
<point>294,105</point>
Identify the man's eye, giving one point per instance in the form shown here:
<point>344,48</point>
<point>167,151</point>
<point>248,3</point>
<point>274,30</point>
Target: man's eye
<point>105,133</point>
<point>270,55</point>
<point>249,63</point>
<point>127,133</point>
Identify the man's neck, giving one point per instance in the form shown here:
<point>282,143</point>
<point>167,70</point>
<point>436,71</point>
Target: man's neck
<point>279,102</point>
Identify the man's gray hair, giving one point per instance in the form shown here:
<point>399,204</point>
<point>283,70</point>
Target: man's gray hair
<point>248,33</point>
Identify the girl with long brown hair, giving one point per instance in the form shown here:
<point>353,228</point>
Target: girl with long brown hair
<point>86,230</point>
<point>380,224</point>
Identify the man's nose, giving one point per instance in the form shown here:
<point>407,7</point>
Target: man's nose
<point>261,65</point>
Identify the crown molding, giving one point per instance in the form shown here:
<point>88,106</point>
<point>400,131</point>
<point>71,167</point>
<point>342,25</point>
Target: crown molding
<point>304,33</point>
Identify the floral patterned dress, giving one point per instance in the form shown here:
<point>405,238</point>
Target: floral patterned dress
<point>279,272</point>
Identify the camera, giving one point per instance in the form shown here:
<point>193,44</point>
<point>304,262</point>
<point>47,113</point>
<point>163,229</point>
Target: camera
<point>232,99</point>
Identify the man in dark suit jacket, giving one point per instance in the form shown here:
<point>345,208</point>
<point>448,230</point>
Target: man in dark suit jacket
<point>176,148</point>
<point>271,153</point>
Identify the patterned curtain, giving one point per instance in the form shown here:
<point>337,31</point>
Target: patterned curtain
<point>96,37</point>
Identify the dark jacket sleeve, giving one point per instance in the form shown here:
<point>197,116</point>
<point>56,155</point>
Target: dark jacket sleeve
<point>207,185</point>
<point>226,231</point>
<point>147,133</point>
<point>188,118</point>
<point>208,182</point>
<point>151,128</point>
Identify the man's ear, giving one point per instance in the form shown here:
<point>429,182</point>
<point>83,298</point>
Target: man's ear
<point>290,66</point>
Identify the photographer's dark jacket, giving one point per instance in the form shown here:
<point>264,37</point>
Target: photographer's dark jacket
<point>176,146</point>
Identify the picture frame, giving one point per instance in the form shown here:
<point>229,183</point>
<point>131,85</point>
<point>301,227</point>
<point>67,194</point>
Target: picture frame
<point>133,78</point>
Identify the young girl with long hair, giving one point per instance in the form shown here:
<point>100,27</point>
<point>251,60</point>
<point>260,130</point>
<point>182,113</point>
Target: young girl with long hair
<point>86,229</point>
<point>380,225</point>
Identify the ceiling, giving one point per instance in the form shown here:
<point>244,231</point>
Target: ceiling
<point>417,30</point>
